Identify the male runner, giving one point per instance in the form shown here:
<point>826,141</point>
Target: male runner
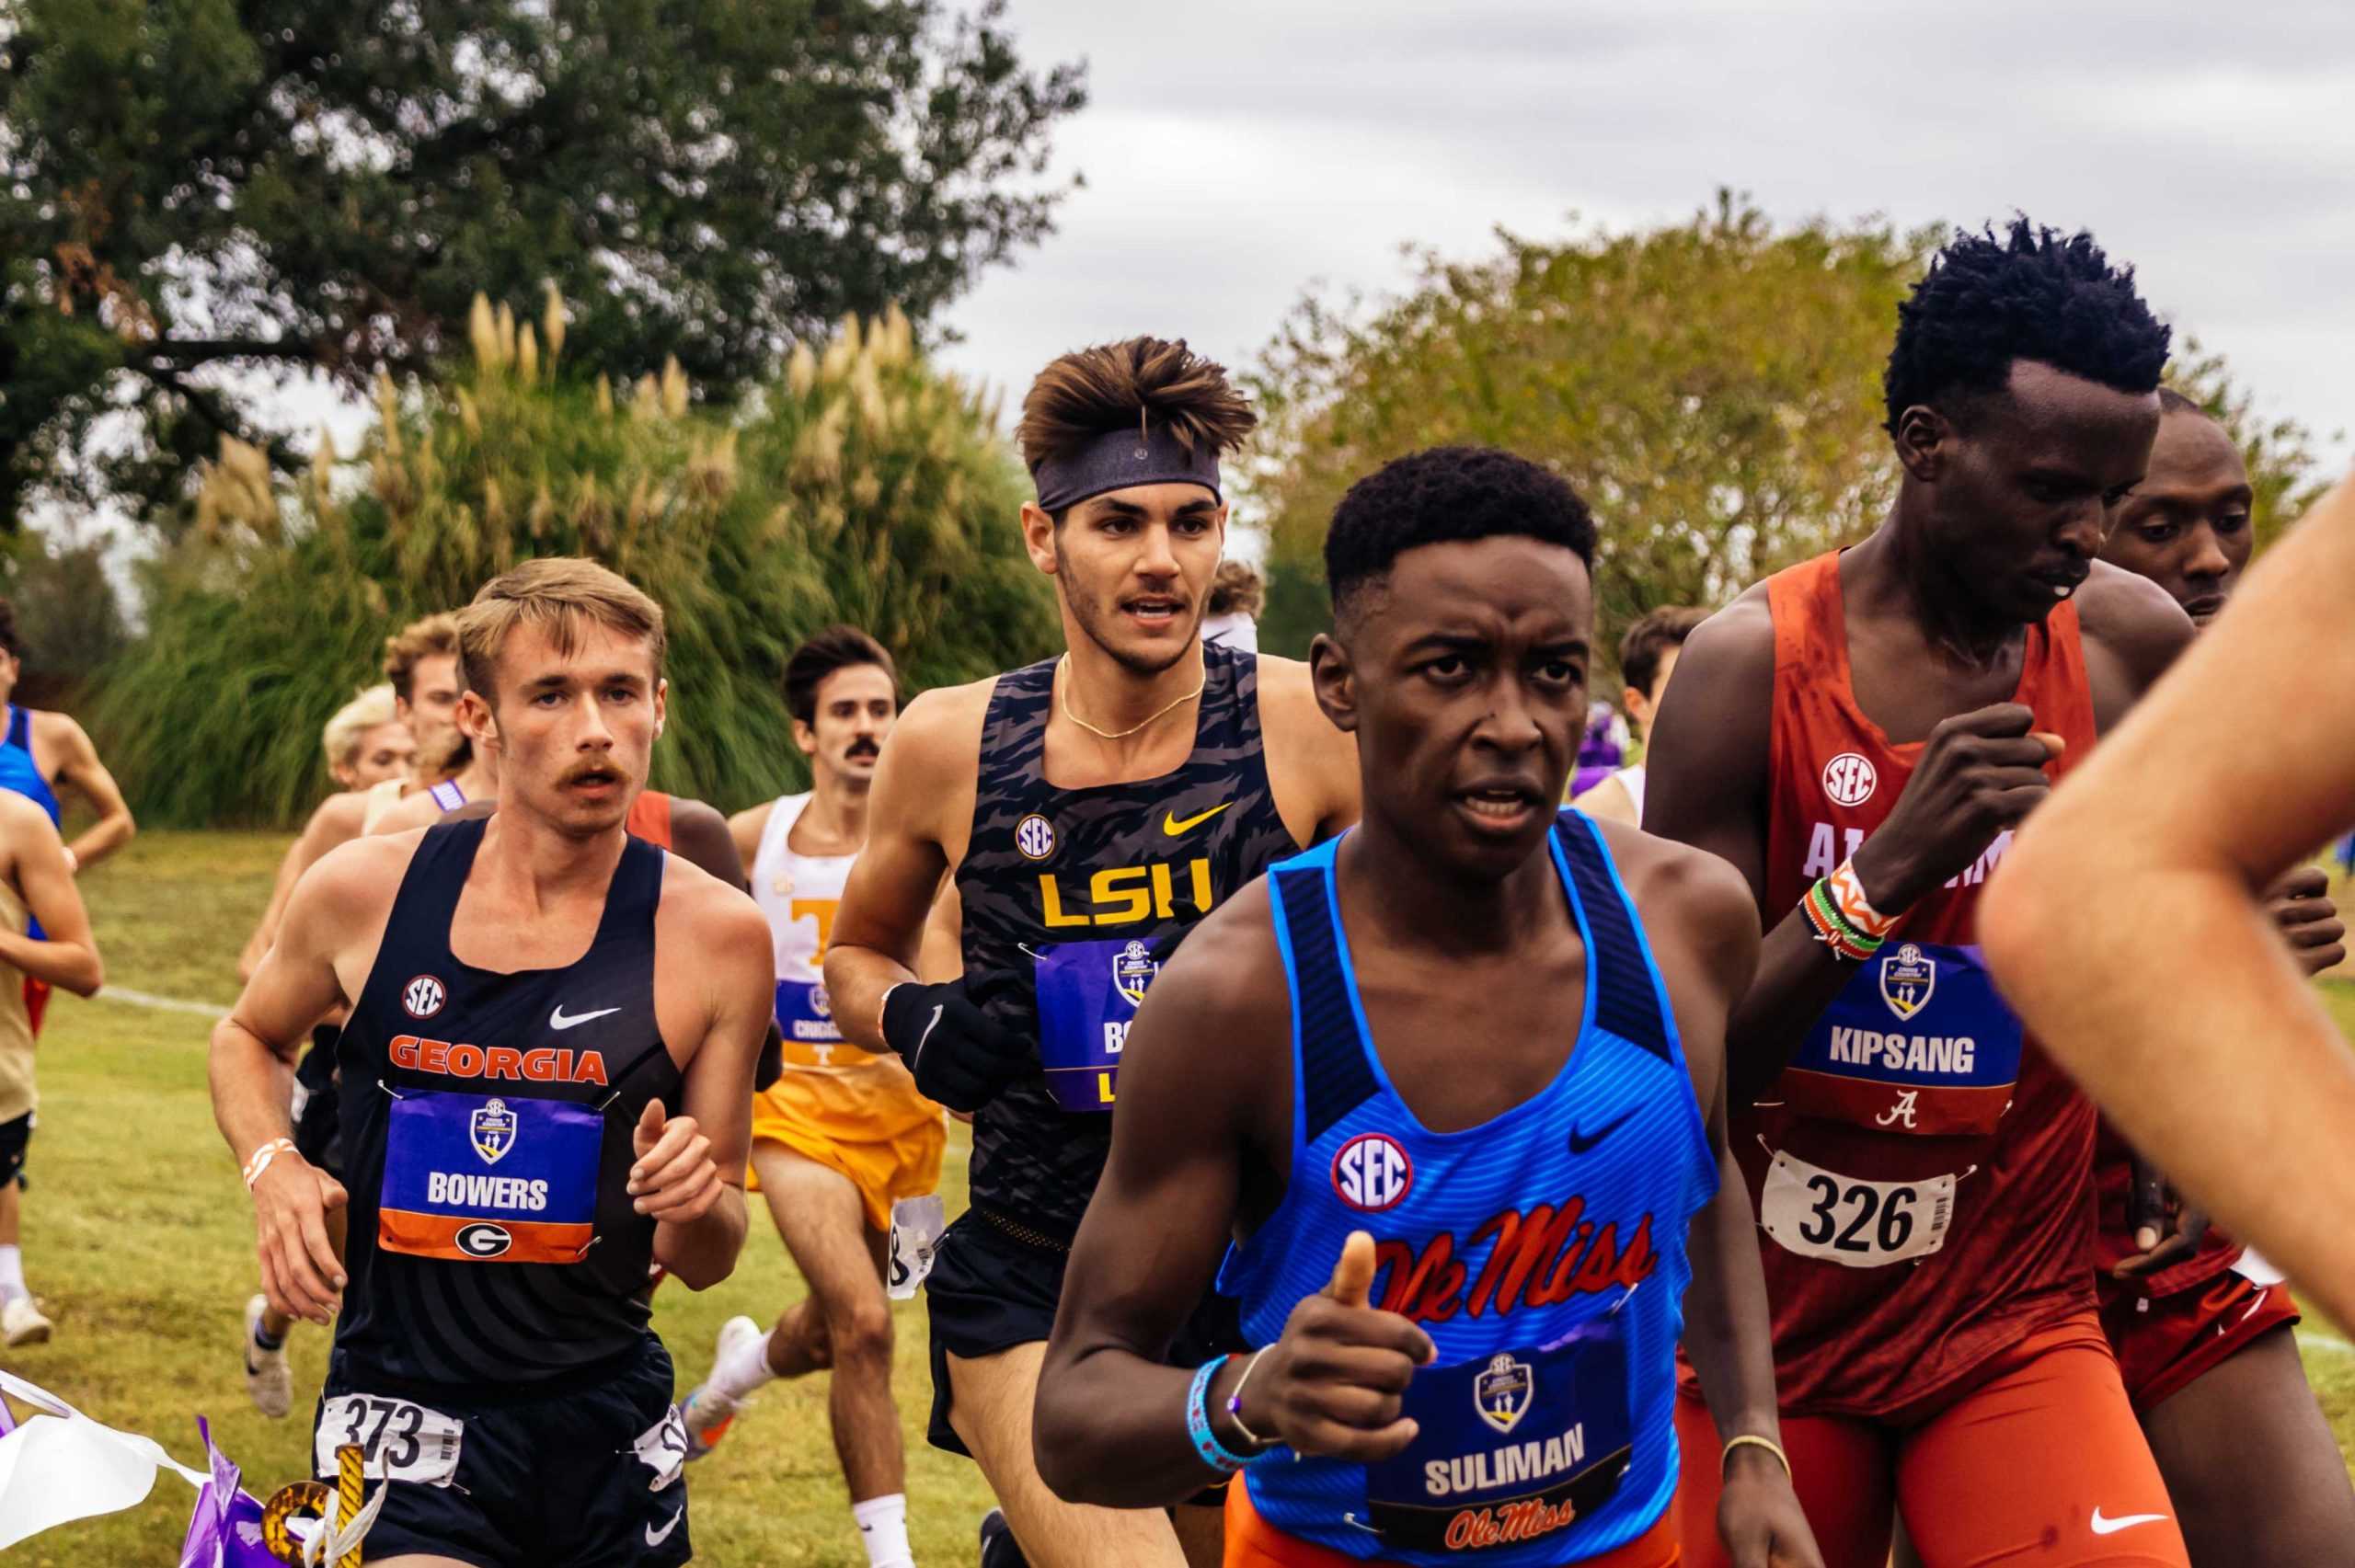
<point>1647,658</point>
<point>843,1134</point>
<point>1492,1040</point>
<point>2201,1327</point>
<point>2250,742</point>
<point>1859,734</point>
<point>44,936</point>
<point>532,999</point>
<point>1090,808</point>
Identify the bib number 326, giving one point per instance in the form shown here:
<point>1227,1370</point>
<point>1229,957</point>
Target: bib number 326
<point>1852,1221</point>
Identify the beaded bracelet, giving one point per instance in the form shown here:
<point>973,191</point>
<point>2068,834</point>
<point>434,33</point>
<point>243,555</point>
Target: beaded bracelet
<point>1207,1446</point>
<point>260,1159</point>
<point>1847,893</point>
<point>1844,940</point>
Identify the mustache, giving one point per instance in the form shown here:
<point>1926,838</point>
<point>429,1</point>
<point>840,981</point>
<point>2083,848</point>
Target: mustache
<point>864,748</point>
<point>587,771</point>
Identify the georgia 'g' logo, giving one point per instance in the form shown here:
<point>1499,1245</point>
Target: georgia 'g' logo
<point>1372,1172</point>
<point>484,1239</point>
<point>423,996</point>
<point>1849,779</point>
<point>1034,836</point>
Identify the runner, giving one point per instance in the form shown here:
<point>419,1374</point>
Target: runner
<point>366,743</point>
<point>1460,926</point>
<point>1923,1173</point>
<point>36,895</point>
<point>2258,764</point>
<point>843,1135</point>
<point>1089,807</point>
<point>421,667</point>
<point>1236,598</point>
<point>2201,1326</point>
<point>1647,658</point>
<point>39,752</point>
<point>493,1352</point>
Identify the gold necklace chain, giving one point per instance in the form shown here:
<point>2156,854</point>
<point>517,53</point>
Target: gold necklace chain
<point>1072,714</point>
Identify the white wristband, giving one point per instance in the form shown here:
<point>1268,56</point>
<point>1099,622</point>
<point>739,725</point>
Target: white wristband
<point>261,1157</point>
<point>73,862</point>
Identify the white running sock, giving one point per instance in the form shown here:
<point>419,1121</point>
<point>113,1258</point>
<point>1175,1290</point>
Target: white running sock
<point>12,1273</point>
<point>883,1526</point>
<point>743,1369</point>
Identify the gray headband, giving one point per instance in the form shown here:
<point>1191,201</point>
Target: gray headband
<point>1118,459</point>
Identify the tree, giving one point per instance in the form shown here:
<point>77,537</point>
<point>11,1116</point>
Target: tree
<point>859,485</point>
<point>1712,389</point>
<point>194,185</point>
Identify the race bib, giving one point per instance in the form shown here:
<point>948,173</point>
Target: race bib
<point>812,1039</point>
<point>1088,993</point>
<point>1851,1221</point>
<point>1512,1447</point>
<point>662,1449</point>
<point>916,1227</point>
<point>1917,1042</point>
<point>489,1180</point>
<point>397,1440</point>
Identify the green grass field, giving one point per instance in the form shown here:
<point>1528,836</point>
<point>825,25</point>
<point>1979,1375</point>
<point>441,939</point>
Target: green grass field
<point>137,1237</point>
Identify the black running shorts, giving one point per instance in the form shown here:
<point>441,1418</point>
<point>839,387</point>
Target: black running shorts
<point>15,1136</point>
<point>318,1117</point>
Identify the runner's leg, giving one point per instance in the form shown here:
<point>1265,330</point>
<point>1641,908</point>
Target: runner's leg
<point>1201,1532</point>
<point>991,1413</point>
<point>1840,1469</point>
<point>2252,1466</point>
<point>822,1218</point>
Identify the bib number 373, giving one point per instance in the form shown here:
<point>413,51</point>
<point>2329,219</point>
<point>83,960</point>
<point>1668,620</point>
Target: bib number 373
<point>397,1440</point>
<point>1852,1221</point>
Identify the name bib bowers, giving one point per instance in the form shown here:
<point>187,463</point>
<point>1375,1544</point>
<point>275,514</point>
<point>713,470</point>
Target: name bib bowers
<point>1512,1447</point>
<point>1917,1042</point>
<point>1088,993</point>
<point>481,1179</point>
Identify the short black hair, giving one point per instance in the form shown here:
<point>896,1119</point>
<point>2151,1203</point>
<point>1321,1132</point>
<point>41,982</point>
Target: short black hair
<point>2030,294</point>
<point>836,648</point>
<point>10,639</point>
<point>1442,495</point>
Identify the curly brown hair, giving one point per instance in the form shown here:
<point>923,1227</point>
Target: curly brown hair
<point>1112,386</point>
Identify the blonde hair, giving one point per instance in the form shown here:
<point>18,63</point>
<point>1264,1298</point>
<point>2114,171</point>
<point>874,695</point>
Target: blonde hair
<point>558,593</point>
<point>354,719</point>
<point>430,638</point>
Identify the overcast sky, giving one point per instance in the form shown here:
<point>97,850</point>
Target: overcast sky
<point>1236,153</point>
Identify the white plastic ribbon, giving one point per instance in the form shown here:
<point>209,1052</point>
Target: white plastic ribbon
<point>61,1466</point>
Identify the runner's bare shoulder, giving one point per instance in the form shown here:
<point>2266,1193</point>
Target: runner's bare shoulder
<point>351,887</point>
<point>2134,629</point>
<point>703,915</point>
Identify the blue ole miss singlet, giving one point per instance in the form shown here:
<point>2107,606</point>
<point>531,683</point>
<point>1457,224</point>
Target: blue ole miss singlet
<point>487,1121</point>
<point>1543,1250</point>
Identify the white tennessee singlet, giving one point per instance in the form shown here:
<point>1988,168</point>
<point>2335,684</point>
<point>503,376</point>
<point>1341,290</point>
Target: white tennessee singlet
<point>1631,781</point>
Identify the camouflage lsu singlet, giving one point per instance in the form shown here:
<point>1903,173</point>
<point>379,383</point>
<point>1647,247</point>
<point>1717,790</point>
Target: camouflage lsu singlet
<point>1067,893</point>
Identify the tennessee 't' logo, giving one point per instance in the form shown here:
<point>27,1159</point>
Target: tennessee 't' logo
<point>1372,1172</point>
<point>1849,779</point>
<point>423,997</point>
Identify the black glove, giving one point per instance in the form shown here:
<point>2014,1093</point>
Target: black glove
<point>959,1055</point>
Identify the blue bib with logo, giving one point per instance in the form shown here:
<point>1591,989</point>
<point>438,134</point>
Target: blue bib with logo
<point>1088,994</point>
<point>1917,1042</point>
<point>484,1179</point>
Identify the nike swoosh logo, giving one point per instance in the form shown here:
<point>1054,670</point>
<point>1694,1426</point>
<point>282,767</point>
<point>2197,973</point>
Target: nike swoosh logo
<point>1176,827</point>
<point>557,1020</point>
<point>1580,1145</point>
<point>2111,1526</point>
<point>656,1538</point>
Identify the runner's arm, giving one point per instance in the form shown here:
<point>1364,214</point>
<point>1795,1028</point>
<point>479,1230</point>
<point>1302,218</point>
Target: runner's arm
<point>878,928</point>
<point>699,836</point>
<point>2128,920</point>
<point>1706,785</point>
<point>78,764</point>
<point>66,955</point>
<point>336,820</point>
<point>698,1194</point>
<point>1110,1419</point>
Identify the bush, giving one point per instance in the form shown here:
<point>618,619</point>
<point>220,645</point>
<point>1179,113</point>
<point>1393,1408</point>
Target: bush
<point>860,484</point>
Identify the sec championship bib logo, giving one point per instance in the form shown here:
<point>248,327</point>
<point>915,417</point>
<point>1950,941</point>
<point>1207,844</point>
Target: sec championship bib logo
<point>1371,1172</point>
<point>1502,1393</point>
<point>1907,979</point>
<point>1849,779</point>
<point>492,1128</point>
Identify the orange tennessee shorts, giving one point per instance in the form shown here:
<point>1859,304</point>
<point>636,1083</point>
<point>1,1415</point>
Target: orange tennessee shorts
<point>1252,1543</point>
<point>905,1163</point>
<point>2041,1462</point>
<point>2166,1343</point>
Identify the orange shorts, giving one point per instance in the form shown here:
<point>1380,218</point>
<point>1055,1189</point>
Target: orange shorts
<point>1252,1543</point>
<point>2166,1343</point>
<point>2040,1464</point>
<point>905,1163</point>
<point>36,1004</point>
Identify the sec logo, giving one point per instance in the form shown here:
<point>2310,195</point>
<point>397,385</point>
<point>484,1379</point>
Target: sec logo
<point>1371,1172</point>
<point>484,1240</point>
<point>1035,837</point>
<point>1849,779</point>
<point>423,997</point>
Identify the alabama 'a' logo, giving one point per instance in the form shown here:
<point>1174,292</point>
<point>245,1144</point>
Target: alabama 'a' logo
<point>1502,1393</point>
<point>492,1128</point>
<point>1907,979</point>
<point>1371,1172</point>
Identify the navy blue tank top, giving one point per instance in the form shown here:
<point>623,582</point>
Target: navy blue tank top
<point>1069,895</point>
<point>1543,1250</point>
<point>487,1122</point>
